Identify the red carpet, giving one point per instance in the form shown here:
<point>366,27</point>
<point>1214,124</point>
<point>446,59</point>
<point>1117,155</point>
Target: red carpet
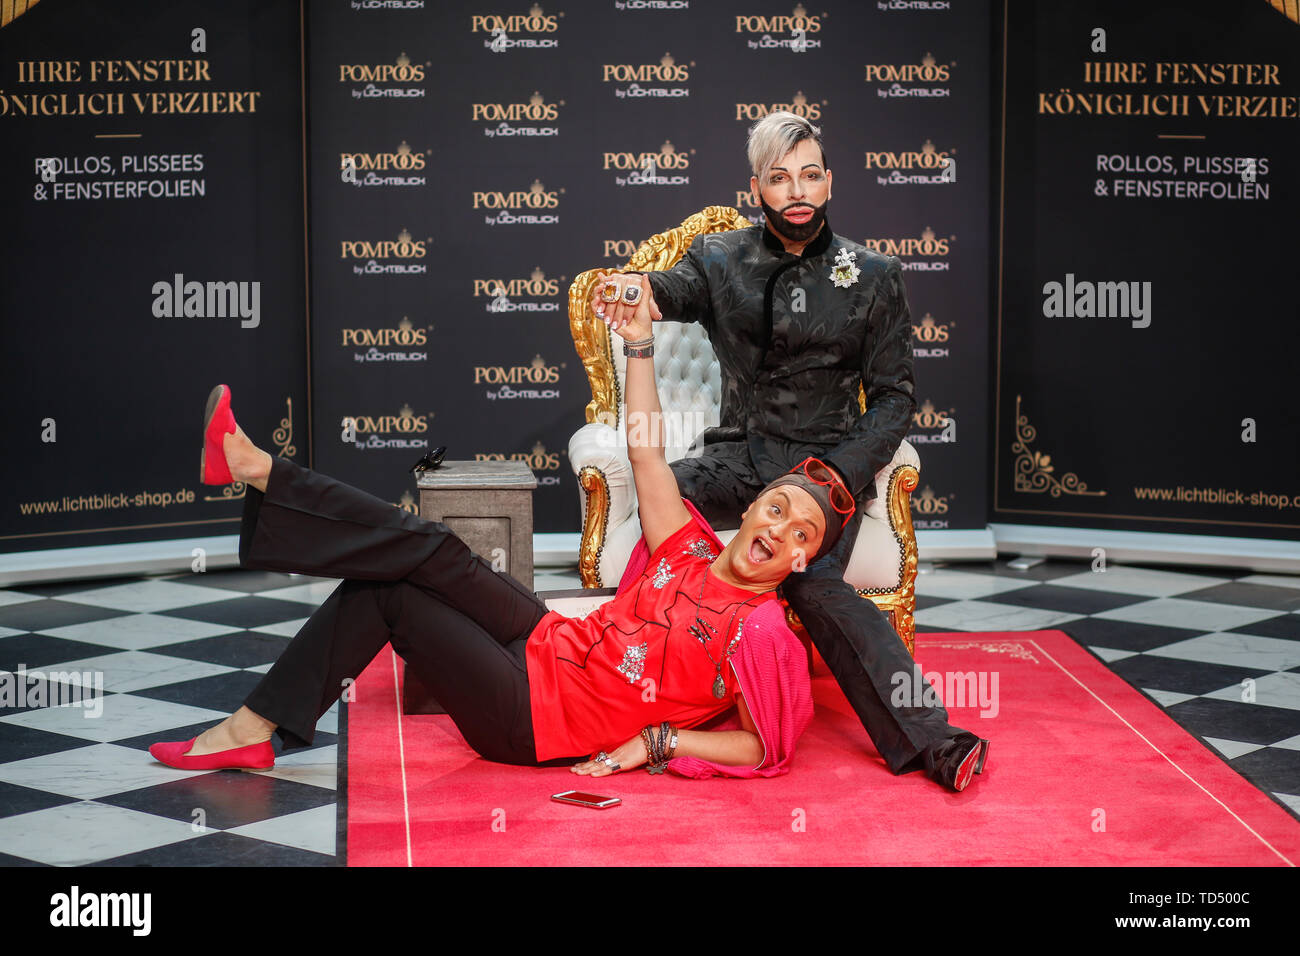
<point>1082,770</point>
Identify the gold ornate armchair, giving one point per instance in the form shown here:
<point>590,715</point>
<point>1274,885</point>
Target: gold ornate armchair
<point>883,565</point>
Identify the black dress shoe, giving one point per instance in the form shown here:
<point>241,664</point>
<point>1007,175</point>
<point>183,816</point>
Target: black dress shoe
<point>955,761</point>
<point>984,755</point>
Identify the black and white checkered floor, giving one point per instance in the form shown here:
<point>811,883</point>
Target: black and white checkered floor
<point>176,654</point>
<point>1220,651</point>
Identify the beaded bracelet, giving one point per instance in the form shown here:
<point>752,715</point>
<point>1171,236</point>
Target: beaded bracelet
<point>643,349</point>
<point>656,762</point>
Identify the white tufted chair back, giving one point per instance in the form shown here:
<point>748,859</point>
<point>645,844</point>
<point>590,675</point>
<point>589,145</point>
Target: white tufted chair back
<point>690,389</point>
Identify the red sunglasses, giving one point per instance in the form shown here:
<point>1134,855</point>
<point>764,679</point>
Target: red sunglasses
<point>818,472</point>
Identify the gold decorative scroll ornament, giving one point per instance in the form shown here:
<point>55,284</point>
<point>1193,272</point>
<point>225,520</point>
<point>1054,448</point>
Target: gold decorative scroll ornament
<point>282,438</point>
<point>1035,471</point>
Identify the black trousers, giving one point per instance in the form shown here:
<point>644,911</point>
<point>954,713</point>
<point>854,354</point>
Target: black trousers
<point>459,625</point>
<point>853,637</point>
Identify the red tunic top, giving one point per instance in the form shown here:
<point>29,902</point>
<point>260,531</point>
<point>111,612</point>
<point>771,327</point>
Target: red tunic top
<point>595,682</point>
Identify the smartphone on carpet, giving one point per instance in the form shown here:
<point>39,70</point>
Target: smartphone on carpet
<point>586,799</point>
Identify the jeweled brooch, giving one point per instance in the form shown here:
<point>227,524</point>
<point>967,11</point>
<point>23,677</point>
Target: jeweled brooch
<point>845,272</point>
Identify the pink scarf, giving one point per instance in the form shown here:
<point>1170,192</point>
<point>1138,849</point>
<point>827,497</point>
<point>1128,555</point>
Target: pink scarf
<point>771,669</point>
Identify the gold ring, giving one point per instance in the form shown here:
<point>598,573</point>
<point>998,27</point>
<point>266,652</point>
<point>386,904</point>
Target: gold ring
<point>609,291</point>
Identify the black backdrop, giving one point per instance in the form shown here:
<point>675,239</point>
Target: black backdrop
<point>1117,415</point>
<point>195,172</point>
<point>492,148</point>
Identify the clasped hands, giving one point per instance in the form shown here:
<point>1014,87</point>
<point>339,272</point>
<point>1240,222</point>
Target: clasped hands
<point>633,323</point>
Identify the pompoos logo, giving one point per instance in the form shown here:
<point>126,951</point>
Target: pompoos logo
<point>377,252</point>
<point>396,80</point>
<point>799,105</point>
<point>379,169</point>
<point>932,166</point>
<point>504,292</point>
<point>402,158</point>
<point>924,80</point>
<point>520,207</point>
<point>932,334</point>
<point>368,432</point>
<point>644,169</point>
<point>926,254</point>
<point>536,22</point>
<point>518,119</point>
<point>402,343</point>
<point>799,24</point>
<point>506,378</point>
<point>666,71</point>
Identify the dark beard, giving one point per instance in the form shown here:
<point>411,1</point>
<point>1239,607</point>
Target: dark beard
<point>791,231</point>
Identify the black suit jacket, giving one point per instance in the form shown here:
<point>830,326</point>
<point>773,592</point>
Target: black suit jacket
<point>793,347</point>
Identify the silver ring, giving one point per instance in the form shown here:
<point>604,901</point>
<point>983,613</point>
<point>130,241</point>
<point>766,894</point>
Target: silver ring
<point>631,294</point>
<point>602,757</point>
<point>612,764</point>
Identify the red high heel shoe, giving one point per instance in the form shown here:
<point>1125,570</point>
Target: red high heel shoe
<point>218,421</point>
<point>253,757</point>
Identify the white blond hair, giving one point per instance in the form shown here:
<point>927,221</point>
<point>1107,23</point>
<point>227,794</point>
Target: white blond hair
<point>772,138</point>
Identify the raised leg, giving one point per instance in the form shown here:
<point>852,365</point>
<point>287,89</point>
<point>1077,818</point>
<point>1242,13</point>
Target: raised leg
<point>310,523</point>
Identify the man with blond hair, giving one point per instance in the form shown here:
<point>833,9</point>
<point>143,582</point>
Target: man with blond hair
<point>799,316</point>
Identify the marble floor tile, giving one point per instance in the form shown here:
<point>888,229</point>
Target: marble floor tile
<point>81,833</point>
<point>1148,582</point>
<point>1166,698</point>
<point>123,715</point>
<point>1110,654</point>
<point>965,585</point>
<point>283,629</point>
<point>1174,612</point>
<point>1273,690</point>
<point>150,595</point>
<point>313,830</point>
<point>986,616</point>
<point>317,767</point>
<point>90,772</point>
<point>313,594</point>
<point>1272,580</point>
<point>126,671</point>
<point>138,632</point>
<point>1231,748</point>
<point>1235,650</point>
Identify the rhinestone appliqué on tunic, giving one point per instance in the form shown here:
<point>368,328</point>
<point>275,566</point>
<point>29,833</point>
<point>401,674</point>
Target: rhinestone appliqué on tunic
<point>663,574</point>
<point>633,662</point>
<point>740,628</point>
<point>701,548</point>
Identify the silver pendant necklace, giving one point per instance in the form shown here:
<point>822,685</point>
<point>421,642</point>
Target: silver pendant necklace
<point>701,626</point>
